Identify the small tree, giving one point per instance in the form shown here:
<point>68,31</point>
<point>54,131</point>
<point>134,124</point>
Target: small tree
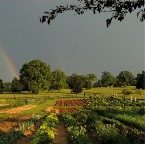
<point>16,86</point>
<point>58,80</point>
<point>88,84</point>
<point>140,80</point>
<point>7,86</point>
<point>1,86</point>
<point>75,83</point>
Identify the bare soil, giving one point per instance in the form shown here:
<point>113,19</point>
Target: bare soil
<point>8,124</point>
<point>60,134</point>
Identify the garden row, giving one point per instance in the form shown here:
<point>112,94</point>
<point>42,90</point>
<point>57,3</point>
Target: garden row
<point>18,131</point>
<point>45,133</point>
<point>67,103</point>
<point>107,120</point>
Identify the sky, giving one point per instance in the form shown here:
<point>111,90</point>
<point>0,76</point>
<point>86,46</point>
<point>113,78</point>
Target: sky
<point>72,43</point>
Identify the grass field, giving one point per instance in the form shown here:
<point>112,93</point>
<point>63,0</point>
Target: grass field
<point>66,93</point>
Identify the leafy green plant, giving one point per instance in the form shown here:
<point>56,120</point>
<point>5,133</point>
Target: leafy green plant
<point>45,133</point>
<point>76,132</point>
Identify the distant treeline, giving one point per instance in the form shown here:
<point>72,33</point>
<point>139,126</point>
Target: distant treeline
<point>37,76</point>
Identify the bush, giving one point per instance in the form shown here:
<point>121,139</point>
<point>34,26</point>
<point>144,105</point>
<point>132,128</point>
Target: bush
<point>35,91</point>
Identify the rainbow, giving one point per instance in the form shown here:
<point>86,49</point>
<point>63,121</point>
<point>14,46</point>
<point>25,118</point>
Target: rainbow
<point>9,63</point>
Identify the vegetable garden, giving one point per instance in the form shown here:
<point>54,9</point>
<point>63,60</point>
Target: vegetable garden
<point>90,120</point>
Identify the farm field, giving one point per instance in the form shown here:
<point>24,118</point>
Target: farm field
<point>96,117</point>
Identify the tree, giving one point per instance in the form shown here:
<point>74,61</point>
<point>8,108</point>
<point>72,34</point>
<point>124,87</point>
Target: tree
<point>118,8</point>
<point>1,86</point>
<point>125,78</point>
<point>75,83</point>
<point>35,76</point>
<point>88,84</point>
<point>16,86</point>
<point>140,80</point>
<point>88,80</point>
<point>83,79</point>
<point>58,80</point>
<point>7,86</point>
<point>92,77</point>
<point>97,84</point>
<point>107,79</point>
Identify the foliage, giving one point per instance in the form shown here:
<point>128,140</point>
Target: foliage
<point>7,86</point>
<point>110,123</point>
<point>11,137</point>
<point>1,86</point>
<point>119,9</point>
<point>108,133</point>
<point>107,79</point>
<point>35,76</point>
<point>58,80</point>
<point>28,124</point>
<point>125,78</point>
<point>140,84</point>
<point>16,86</point>
<point>76,133</point>
<point>91,77</point>
<point>126,91</point>
<point>75,83</point>
<point>88,84</point>
<point>45,133</point>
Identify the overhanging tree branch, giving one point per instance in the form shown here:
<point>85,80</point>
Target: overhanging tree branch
<point>118,8</point>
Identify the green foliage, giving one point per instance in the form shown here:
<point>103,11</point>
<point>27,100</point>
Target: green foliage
<point>11,137</point>
<point>107,79</point>
<point>1,86</point>
<point>116,126</point>
<point>76,133</point>
<point>140,84</point>
<point>58,80</point>
<point>75,83</point>
<point>45,133</point>
<point>16,86</point>
<point>7,86</point>
<point>88,84</point>
<point>108,133</point>
<point>126,91</point>
<point>35,76</point>
<point>125,78</point>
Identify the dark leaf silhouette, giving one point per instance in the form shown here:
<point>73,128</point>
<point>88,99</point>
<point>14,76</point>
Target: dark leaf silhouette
<point>118,8</point>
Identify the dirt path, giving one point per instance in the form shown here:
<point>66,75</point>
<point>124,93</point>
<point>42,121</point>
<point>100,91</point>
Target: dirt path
<point>18,109</point>
<point>60,134</point>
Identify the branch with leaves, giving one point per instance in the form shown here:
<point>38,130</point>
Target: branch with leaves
<point>118,8</point>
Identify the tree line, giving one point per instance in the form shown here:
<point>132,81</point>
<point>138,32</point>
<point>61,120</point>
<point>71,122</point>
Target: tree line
<point>37,76</point>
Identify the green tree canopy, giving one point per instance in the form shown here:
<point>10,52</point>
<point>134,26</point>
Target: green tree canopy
<point>7,86</point>
<point>58,80</point>
<point>16,86</point>
<point>125,78</point>
<point>1,86</point>
<point>118,8</point>
<point>35,76</point>
<point>92,77</point>
<point>75,83</point>
<point>88,84</point>
<point>140,84</point>
<point>107,79</point>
